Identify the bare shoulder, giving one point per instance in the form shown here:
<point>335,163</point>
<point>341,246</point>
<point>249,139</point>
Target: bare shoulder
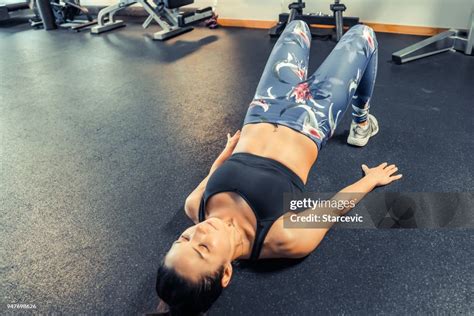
<point>283,242</point>
<point>191,206</point>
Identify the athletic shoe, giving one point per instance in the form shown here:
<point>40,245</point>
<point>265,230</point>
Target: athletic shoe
<point>359,135</point>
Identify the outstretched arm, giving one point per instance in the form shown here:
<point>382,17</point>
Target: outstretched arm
<point>304,240</point>
<point>191,206</point>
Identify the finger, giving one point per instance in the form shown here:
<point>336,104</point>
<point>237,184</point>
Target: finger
<point>228,136</point>
<point>382,165</point>
<point>390,167</point>
<point>236,134</point>
<point>398,176</point>
<point>392,171</point>
<point>365,168</point>
<point>234,138</point>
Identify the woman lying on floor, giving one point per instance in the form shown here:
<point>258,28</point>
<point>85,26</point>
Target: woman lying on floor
<point>237,209</point>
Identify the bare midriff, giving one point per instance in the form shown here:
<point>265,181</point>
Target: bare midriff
<point>283,144</point>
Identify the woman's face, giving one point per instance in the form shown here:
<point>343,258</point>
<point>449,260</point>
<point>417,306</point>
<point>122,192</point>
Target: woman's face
<point>202,249</point>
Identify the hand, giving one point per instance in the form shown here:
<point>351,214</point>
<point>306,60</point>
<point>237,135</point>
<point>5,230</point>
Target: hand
<point>227,152</point>
<point>382,174</point>
<point>232,141</point>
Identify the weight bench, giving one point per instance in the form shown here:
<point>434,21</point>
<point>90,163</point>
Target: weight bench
<point>164,12</point>
<point>12,10</point>
<point>450,40</point>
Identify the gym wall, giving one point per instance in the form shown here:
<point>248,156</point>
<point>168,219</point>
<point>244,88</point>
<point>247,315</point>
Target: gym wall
<point>430,13</point>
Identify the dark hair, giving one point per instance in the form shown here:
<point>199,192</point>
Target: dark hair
<point>184,297</point>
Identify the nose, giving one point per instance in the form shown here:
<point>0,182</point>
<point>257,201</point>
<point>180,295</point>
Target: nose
<point>200,231</point>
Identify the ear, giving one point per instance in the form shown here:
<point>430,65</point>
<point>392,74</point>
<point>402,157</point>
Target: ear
<point>227,275</point>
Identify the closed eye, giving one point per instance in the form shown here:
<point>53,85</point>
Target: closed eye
<point>181,238</point>
<point>187,239</point>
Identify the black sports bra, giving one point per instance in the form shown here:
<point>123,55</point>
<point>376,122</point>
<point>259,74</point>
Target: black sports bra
<point>261,182</point>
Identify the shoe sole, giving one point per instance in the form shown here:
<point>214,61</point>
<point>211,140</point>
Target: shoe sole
<point>363,142</point>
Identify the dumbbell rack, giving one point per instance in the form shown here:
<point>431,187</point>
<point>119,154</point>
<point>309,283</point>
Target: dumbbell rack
<point>296,13</point>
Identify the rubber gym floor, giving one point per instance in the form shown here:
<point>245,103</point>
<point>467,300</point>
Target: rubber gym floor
<point>103,137</point>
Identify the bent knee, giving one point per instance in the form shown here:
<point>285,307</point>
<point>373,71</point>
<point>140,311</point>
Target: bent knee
<point>297,26</point>
<point>364,33</point>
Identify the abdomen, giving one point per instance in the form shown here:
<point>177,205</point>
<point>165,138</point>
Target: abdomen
<point>283,144</point>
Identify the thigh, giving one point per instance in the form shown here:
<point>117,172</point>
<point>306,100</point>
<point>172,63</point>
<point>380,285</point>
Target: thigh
<point>327,93</point>
<point>288,62</point>
<point>341,72</point>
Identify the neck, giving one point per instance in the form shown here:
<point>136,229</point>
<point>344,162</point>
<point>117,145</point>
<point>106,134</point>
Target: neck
<point>242,243</point>
<point>241,240</point>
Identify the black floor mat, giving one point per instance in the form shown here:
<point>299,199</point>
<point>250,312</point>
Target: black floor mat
<point>104,136</point>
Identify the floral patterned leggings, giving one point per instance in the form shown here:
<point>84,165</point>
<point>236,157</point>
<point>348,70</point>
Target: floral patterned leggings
<point>315,105</point>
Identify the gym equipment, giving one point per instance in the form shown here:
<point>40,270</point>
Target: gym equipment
<point>165,12</point>
<point>52,14</point>
<point>212,22</point>
<point>457,40</point>
<point>13,10</point>
<point>296,13</point>
<point>45,14</point>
